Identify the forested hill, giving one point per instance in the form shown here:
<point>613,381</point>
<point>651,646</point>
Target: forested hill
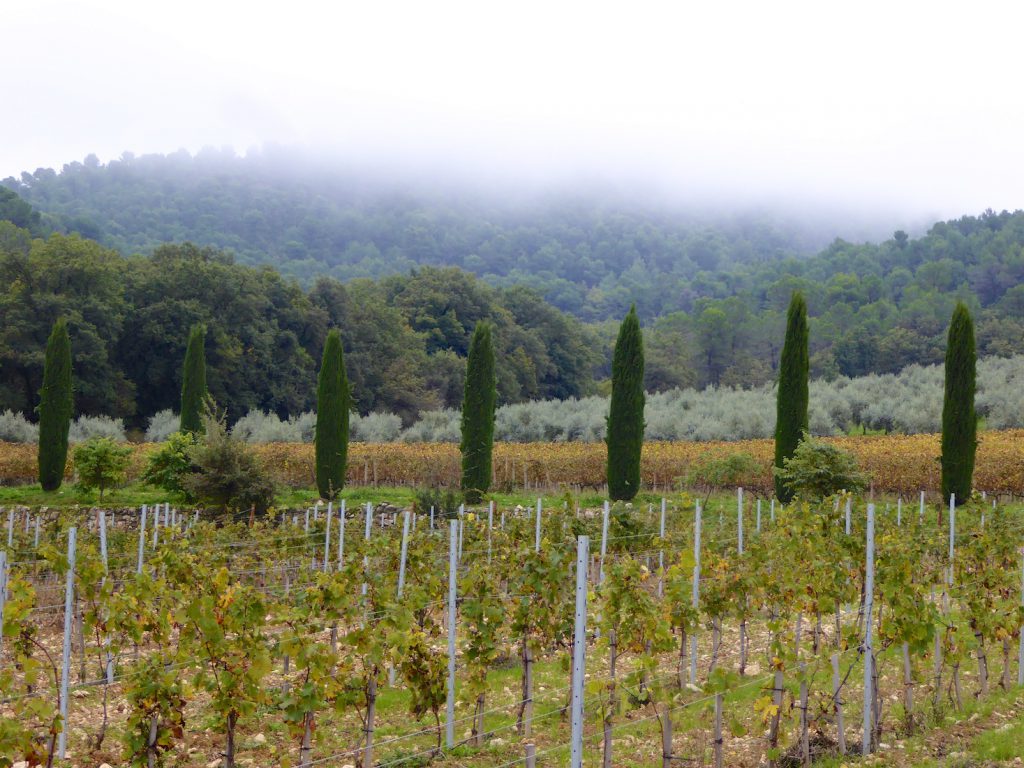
<point>590,253</point>
<point>712,293</point>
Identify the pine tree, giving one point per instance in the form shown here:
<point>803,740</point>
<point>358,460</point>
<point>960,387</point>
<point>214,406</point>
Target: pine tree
<point>793,398</point>
<point>959,420</point>
<point>478,403</point>
<point>55,407</point>
<point>626,414</point>
<point>193,381</point>
<point>332,414</point>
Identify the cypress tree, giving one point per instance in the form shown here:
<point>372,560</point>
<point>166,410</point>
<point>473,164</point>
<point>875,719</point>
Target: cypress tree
<point>626,414</point>
<point>791,405</point>
<point>193,381</point>
<point>332,408</point>
<point>959,420</point>
<point>55,407</point>
<point>478,402</point>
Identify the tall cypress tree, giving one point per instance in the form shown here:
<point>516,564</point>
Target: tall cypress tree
<point>959,420</point>
<point>478,402</point>
<point>793,397</point>
<point>332,407</point>
<point>55,408</point>
<point>626,414</point>
<point>193,381</point>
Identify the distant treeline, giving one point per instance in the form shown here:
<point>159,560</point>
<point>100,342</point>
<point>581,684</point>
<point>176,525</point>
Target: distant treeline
<point>405,336</point>
<point>712,291</point>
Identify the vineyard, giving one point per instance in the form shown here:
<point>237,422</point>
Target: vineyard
<point>626,636</point>
<point>896,463</point>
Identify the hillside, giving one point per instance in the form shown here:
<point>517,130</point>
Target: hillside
<point>712,288</point>
<point>592,253</point>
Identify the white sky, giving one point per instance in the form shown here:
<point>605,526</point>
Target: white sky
<point>915,107</point>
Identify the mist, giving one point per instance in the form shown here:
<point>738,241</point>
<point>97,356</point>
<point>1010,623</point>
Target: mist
<point>891,117</point>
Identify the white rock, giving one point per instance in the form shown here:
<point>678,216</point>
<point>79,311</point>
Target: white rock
<point>215,763</point>
<point>259,738</point>
<point>106,765</point>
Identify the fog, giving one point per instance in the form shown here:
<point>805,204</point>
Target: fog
<point>902,112</point>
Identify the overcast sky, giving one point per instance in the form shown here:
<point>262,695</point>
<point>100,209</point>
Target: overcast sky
<point>910,107</point>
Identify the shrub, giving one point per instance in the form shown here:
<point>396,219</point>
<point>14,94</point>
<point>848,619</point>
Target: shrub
<point>15,428</point>
<point>444,501</point>
<point>717,472</point>
<point>101,463</point>
<point>226,477</point>
<point>87,427</point>
<point>162,425</point>
<point>166,467</point>
<point>817,470</point>
<point>375,427</point>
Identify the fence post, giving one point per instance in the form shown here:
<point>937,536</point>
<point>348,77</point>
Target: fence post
<point>718,731</point>
<point>453,544</point>
<point>462,527</point>
<point>106,570</point>
<point>156,525</point>
<point>36,541</point>
<point>3,597</point>
<point>366,537</point>
<point>869,649</point>
<point>65,669</point>
<point>758,515</point>
<point>739,519</point>
<point>836,690</point>
<point>899,511</point>
<point>952,534</point>
<point>404,553</point>
<point>536,544</point>
<point>849,504</point>
<point>696,590</point>
<point>579,649</point>
<point>341,535</point>
<point>920,513</point>
<point>142,538</point>
<point>1020,651</point>
<point>661,554</point>
<point>327,537</point>
<point>771,511</point>
<point>10,527</point>
<point>490,526</point>
<point>604,544</point>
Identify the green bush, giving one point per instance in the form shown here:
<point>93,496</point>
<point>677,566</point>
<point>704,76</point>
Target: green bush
<point>167,466</point>
<point>715,473</point>
<point>444,501</point>
<point>101,463</point>
<point>817,470</point>
<point>226,477</point>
